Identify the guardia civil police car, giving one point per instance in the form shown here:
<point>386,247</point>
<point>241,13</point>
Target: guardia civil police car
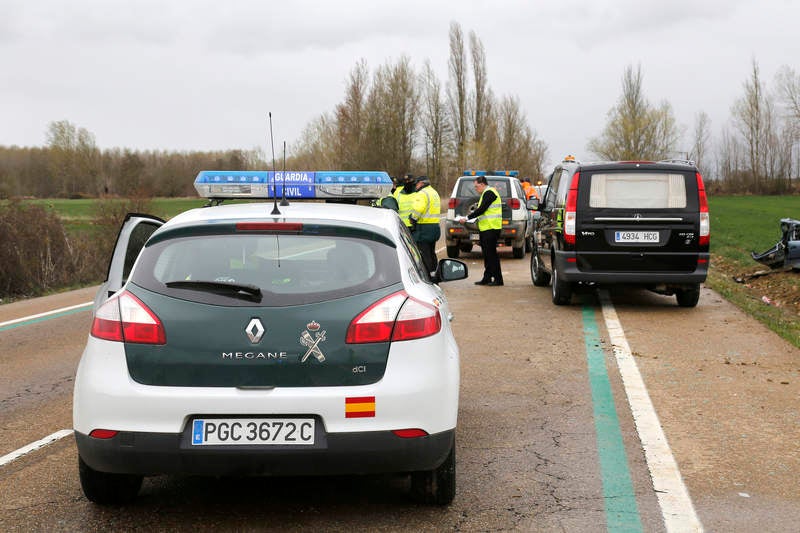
<point>266,339</point>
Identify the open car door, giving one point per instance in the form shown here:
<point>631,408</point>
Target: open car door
<point>133,234</point>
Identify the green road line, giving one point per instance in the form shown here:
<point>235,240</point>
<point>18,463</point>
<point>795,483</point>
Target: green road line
<point>86,307</point>
<point>622,514</point>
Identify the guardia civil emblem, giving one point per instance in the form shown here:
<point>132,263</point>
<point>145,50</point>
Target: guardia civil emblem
<point>311,338</point>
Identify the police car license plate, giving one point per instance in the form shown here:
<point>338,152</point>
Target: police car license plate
<point>474,236</point>
<point>237,431</point>
<point>635,236</point>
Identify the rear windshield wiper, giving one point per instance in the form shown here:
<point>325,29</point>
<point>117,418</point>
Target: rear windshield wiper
<point>250,292</point>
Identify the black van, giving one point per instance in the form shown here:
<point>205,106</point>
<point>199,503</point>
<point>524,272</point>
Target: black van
<point>638,223</point>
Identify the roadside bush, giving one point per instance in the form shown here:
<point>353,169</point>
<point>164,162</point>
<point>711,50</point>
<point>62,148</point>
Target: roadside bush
<point>35,253</point>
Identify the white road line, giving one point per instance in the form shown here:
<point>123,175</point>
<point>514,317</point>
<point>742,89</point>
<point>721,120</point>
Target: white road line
<point>673,497</point>
<point>40,315</point>
<point>34,446</point>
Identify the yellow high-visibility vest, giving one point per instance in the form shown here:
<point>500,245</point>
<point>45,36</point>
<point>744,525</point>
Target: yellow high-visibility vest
<point>492,218</point>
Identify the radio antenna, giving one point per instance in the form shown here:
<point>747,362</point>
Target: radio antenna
<point>275,210</point>
<point>284,201</point>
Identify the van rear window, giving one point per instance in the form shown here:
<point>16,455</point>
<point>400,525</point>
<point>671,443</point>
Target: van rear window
<point>638,190</point>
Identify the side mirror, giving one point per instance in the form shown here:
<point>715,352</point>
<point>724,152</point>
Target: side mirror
<point>532,204</point>
<point>450,270</point>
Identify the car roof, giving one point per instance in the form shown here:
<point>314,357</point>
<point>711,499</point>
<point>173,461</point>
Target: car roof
<point>385,219</point>
<point>632,165</point>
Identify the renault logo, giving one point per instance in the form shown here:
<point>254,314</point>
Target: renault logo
<point>254,330</point>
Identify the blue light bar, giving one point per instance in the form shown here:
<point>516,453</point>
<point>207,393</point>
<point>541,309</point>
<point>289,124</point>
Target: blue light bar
<point>222,184</point>
<point>512,173</point>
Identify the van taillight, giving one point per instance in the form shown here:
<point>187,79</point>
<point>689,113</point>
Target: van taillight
<point>453,203</point>
<point>705,221</point>
<point>125,318</point>
<point>570,211</point>
<point>397,317</point>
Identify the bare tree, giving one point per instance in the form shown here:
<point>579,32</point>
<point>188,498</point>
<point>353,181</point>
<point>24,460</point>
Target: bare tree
<point>748,117</point>
<point>457,93</point>
<point>483,97</point>
<point>635,129</point>
<point>702,138</point>
<point>350,120</point>
<point>435,126</point>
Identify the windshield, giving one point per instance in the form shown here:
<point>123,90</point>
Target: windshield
<point>466,187</point>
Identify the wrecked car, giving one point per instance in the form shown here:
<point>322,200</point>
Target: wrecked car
<point>786,252</point>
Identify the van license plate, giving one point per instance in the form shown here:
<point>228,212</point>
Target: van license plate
<point>237,431</point>
<point>636,236</point>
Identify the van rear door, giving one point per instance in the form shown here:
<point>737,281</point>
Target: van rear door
<point>638,220</point>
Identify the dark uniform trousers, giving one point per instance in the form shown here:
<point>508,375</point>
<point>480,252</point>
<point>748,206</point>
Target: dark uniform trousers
<point>491,260</point>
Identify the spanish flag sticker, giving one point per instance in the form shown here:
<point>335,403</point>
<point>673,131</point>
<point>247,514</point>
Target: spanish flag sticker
<point>360,407</point>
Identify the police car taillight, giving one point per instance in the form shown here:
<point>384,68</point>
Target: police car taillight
<point>570,211</point>
<point>705,221</point>
<point>125,318</point>
<point>397,317</point>
<point>514,203</point>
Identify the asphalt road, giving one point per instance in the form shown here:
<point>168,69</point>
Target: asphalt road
<point>534,436</point>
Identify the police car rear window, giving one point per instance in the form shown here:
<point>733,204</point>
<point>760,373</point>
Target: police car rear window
<point>288,269</point>
<point>466,187</point>
<point>645,190</point>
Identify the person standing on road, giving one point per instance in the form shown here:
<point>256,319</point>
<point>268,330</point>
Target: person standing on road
<point>489,214</point>
<point>424,219</point>
<point>405,198</point>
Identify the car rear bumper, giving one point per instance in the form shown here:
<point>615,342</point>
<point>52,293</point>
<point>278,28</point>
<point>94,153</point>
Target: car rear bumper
<point>569,271</point>
<point>365,452</point>
<point>455,233</point>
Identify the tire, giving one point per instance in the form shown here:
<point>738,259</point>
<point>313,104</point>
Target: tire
<point>437,486</point>
<point>518,253</point>
<point>108,489</point>
<point>688,297</point>
<point>465,247</point>
<point>539,275</point>
<point>452,251</point>
<point>562,291</point>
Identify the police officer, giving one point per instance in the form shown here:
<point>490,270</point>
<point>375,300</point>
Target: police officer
<point>405,198</point>
<point>390,200</point>
<point>424,219</point>
<point>489,214</point>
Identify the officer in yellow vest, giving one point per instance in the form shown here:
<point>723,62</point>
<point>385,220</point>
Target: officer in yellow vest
<point>424,219</point>
<point>489,215</point>
<point>405,198</point>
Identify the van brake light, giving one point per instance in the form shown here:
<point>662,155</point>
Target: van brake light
<point>570,212</point>
<point>705,221</point>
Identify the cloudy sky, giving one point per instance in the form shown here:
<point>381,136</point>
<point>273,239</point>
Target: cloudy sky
<point>203,75</point>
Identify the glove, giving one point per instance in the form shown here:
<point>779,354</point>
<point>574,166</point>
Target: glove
<point>413,224</point>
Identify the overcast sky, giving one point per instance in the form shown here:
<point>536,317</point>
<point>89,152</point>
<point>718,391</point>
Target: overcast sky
<point>202,75</point>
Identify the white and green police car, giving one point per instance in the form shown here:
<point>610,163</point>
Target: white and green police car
<point>266,339</point>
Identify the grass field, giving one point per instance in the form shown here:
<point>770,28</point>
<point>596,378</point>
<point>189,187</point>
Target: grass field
<point>741,224</point>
